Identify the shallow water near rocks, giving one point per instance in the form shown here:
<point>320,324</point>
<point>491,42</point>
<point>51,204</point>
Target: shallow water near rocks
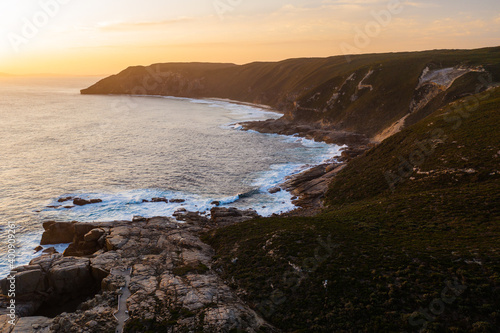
<point>123,150</point>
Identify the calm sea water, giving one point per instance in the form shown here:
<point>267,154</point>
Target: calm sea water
<point>55,142</point>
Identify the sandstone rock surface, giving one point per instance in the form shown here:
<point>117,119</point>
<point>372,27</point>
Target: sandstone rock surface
<point>172,286</point>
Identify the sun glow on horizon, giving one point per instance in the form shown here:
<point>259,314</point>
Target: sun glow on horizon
<point>92,37</point>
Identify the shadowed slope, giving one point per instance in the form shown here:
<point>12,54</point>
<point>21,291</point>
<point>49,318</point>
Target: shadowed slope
<point>426,256</point>
<point>366,95</point>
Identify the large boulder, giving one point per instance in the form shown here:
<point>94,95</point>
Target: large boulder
<point>94,235</point>
<point>28,279</point>
<point>70,275</point>
<point>29,282</point>
<point>58,232</point>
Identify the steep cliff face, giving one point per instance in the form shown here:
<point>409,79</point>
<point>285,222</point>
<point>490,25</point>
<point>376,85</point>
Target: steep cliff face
<point>414,212</point>
<point>374,95</point>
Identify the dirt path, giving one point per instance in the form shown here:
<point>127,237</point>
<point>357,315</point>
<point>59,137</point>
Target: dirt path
<point>122,314</point>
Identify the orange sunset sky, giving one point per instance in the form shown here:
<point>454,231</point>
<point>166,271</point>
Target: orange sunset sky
<point>105,36</point>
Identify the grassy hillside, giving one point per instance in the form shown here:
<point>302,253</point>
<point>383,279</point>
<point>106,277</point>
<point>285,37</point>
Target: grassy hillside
<point>457,145</point>
<point>416,253</point>
<point>365,95</point>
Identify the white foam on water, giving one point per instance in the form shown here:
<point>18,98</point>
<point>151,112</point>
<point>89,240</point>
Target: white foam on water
<point>25,251</point>
<point>125,204</point>
<point>247,111</point>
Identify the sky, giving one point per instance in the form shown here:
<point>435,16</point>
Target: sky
<point>97,37</point>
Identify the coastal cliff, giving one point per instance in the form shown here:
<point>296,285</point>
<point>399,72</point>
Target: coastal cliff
<point>369,97</point>
<point>408,240</point>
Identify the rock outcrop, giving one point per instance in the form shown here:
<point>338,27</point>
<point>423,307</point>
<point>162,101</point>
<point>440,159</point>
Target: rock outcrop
<point>76,202</point>
<point>50,279</point>
<point>172,284</point>
<point>221,217</point>
<point>310,186</point>
<point>37,324</point>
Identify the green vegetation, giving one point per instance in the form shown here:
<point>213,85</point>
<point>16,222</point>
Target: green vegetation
<point>399,249</point>
<point>310,83</point>
<point>185,269</point>
<point>410,239</point>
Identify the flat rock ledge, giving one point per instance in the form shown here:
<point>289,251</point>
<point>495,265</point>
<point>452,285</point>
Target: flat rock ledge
<point>172,285</point>
<point>314,131</point>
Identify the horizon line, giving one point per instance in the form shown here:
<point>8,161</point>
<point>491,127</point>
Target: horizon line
<point>5,75</point>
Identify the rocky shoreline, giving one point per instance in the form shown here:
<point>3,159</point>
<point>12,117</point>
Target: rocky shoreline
<point>160,266</point>
<point>313,131</point>
<point>171,281</point>
<point>309,187</point>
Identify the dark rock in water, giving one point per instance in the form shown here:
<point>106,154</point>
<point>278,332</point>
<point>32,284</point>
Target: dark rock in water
<point>38,248</point>
<point>274,190</point>
<point>83,202</point>
<point>65,199</point>
<point>159,200</point>
<point>53,207</point>
<point>144,200</point>
<point>80,202</point>
<point>138,219</point>
<point>50,250</point>
<point>68,207</point>
<point>177,200</point>
<point>215,203</point>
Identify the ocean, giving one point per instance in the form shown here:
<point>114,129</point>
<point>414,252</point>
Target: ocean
<point>56,143</point>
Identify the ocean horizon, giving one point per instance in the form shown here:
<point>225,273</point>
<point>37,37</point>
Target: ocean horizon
<point>126,150</point>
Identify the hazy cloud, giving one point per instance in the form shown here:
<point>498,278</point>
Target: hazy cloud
<point>421,4</point>
<point>128,26</point>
